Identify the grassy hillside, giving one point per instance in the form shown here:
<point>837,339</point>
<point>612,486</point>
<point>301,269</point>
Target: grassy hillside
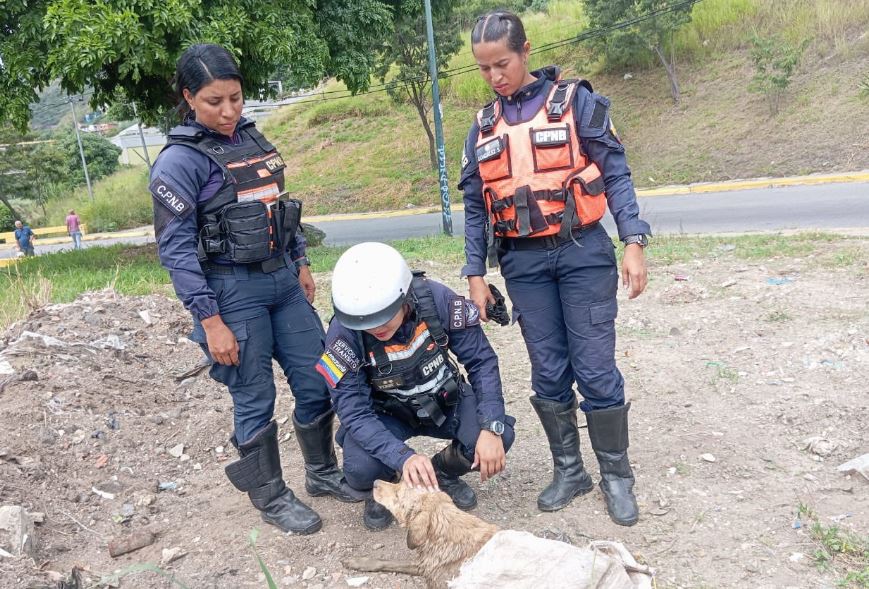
<point>364,153</point>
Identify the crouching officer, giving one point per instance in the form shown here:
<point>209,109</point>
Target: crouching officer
<point>230,244</point>
<point>389,364</point>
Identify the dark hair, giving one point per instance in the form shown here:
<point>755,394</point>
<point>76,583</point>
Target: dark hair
<point>197,67</point>
<point>202,64</point>
<point>495,26</point>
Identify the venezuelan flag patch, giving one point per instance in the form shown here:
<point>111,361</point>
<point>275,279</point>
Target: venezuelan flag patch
<point>331,370</point>
<point>337,359</point>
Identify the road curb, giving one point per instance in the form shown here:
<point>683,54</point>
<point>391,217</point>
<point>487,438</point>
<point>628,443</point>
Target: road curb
<point>675,190</point>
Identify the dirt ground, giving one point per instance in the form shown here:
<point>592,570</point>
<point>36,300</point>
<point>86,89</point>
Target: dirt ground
<point>748,382</point>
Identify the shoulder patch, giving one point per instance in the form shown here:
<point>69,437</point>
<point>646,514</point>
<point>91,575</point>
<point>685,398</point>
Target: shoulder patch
<point>465,160</point>
<point>456,308</point>
<point>338,358</point>
<point>169,196</point>
<point>472,314</point>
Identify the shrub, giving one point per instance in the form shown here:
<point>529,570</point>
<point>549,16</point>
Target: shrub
<point>775,62</point>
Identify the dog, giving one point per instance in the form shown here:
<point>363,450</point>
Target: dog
<point>456,550</point>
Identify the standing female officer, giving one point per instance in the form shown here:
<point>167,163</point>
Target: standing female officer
<point>542,161</point>
<point>229,241</point>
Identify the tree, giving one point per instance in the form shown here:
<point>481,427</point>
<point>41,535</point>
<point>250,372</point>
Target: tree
<point>15,180</point>
<point>775,62</point>
<point>407,50</point>
<point>131,47</point>
<point>101,155</point>
<point>631,44</point>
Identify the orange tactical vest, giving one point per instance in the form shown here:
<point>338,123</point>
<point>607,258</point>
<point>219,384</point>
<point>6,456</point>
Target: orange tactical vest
<point>535,174</point>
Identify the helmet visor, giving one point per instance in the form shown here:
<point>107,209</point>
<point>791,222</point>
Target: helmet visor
<point>372,320</point>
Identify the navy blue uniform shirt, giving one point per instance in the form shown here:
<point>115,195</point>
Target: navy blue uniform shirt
<point>351,394</point>
<point>599,143</point>
<point>196,179</point>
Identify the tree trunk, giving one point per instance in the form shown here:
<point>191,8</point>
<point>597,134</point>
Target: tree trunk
<point>418,98</point>
<point>670,67</point>
<point>9,206</point>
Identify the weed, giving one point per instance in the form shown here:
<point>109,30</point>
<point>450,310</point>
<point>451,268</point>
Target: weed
<point>254,534</point>
<point>777,316</point>
<point>723,372</point>
<point>838,550</point>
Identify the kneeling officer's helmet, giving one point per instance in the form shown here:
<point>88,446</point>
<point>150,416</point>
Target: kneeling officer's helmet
<point>369,284</point>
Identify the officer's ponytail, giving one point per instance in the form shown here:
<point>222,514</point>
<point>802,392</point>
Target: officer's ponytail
<point>200,65</point>
<point>498,25</point>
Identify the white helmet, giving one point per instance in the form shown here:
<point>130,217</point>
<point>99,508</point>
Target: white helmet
<point>369,284</point>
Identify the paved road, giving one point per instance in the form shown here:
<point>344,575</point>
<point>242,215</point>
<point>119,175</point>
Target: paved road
<point>769,209</point>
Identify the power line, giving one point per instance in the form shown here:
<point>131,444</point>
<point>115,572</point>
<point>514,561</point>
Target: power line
<point>599,32</point>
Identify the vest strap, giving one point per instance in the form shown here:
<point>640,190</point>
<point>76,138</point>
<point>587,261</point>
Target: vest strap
<point>559,101</point>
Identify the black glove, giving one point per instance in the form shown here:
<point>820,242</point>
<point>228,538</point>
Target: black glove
<point>498,312</point>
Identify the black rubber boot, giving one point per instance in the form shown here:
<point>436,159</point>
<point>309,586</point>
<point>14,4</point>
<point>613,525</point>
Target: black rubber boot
<point>259,474</point>
<point>608,430</point>
<point>322,475</point>
<point>569,479</point>
<point>375,517</point>
<point>449,465</point>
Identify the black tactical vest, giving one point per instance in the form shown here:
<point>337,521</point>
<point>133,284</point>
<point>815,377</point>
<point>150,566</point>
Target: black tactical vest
<point>416,381</point>
<point>249,219</point>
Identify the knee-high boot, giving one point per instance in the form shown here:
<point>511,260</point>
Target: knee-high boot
<point>322,475</point>
<point>570,478</point>
<point>259,474</point>
<point>449,466</point>
<point>608,431</point>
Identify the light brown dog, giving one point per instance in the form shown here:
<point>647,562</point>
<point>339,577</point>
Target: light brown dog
<point>443,536</point>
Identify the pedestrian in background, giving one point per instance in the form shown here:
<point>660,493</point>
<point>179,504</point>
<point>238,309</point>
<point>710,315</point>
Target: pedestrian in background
<point>542,161</point>
<point>73,227</point>
<point>228,236</point>
<point>24,239</point>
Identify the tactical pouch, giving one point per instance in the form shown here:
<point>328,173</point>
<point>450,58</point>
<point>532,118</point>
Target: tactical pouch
<point>287,218</point>
<point>529,217</point>
<point>246,227</point>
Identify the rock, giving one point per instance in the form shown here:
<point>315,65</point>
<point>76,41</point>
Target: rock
<point>78,436</point>
<point>857,465</point>
<point>309,573</point>
<point>728,284</point>
<point>820,446</point>
<point>177,451</point>
<point>356,581</point>
<point>28,375</point>
<point>167,486</point>
<point>125,544</point>
<point>707,457</point>
<point>171,555</point>
<point>146,317</point>
<point>675,332</point>
<point>17,531</point>
<point>156,419</point>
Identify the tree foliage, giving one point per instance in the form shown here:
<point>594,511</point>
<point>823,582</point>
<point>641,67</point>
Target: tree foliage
<point>775,62</point>
<point>131,47</point>
<point>404,56</point>
<point>35,169</point>
<point>634,43</point>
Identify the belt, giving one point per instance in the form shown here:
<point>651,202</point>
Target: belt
<point>548,242</point>
<point>266,266</point>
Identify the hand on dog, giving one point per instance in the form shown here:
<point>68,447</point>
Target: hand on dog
<point>419,472</point>
<point>489,455</point>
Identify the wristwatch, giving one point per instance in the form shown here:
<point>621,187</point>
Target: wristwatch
<point>640,238</point>
<point>494,426</point>
<point>303,261</point>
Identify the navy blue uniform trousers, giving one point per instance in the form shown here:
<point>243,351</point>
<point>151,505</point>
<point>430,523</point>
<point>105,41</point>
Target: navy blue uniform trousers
<point>361,469</point>
<point>271,318</point>
<point>565,302</point>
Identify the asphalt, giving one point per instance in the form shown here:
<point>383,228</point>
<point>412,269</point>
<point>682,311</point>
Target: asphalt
<point>708,218</point>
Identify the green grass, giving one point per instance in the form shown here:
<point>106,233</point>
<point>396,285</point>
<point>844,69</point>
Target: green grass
<point>842,552</point>
<point>669,249</point>
<point>121,201</point>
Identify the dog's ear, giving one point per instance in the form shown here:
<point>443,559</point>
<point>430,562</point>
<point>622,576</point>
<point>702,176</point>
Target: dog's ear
<point>417,530</point>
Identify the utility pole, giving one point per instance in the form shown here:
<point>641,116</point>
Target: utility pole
<point>439,129</point>
<point>142,136</point>
<point>84,163</point>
